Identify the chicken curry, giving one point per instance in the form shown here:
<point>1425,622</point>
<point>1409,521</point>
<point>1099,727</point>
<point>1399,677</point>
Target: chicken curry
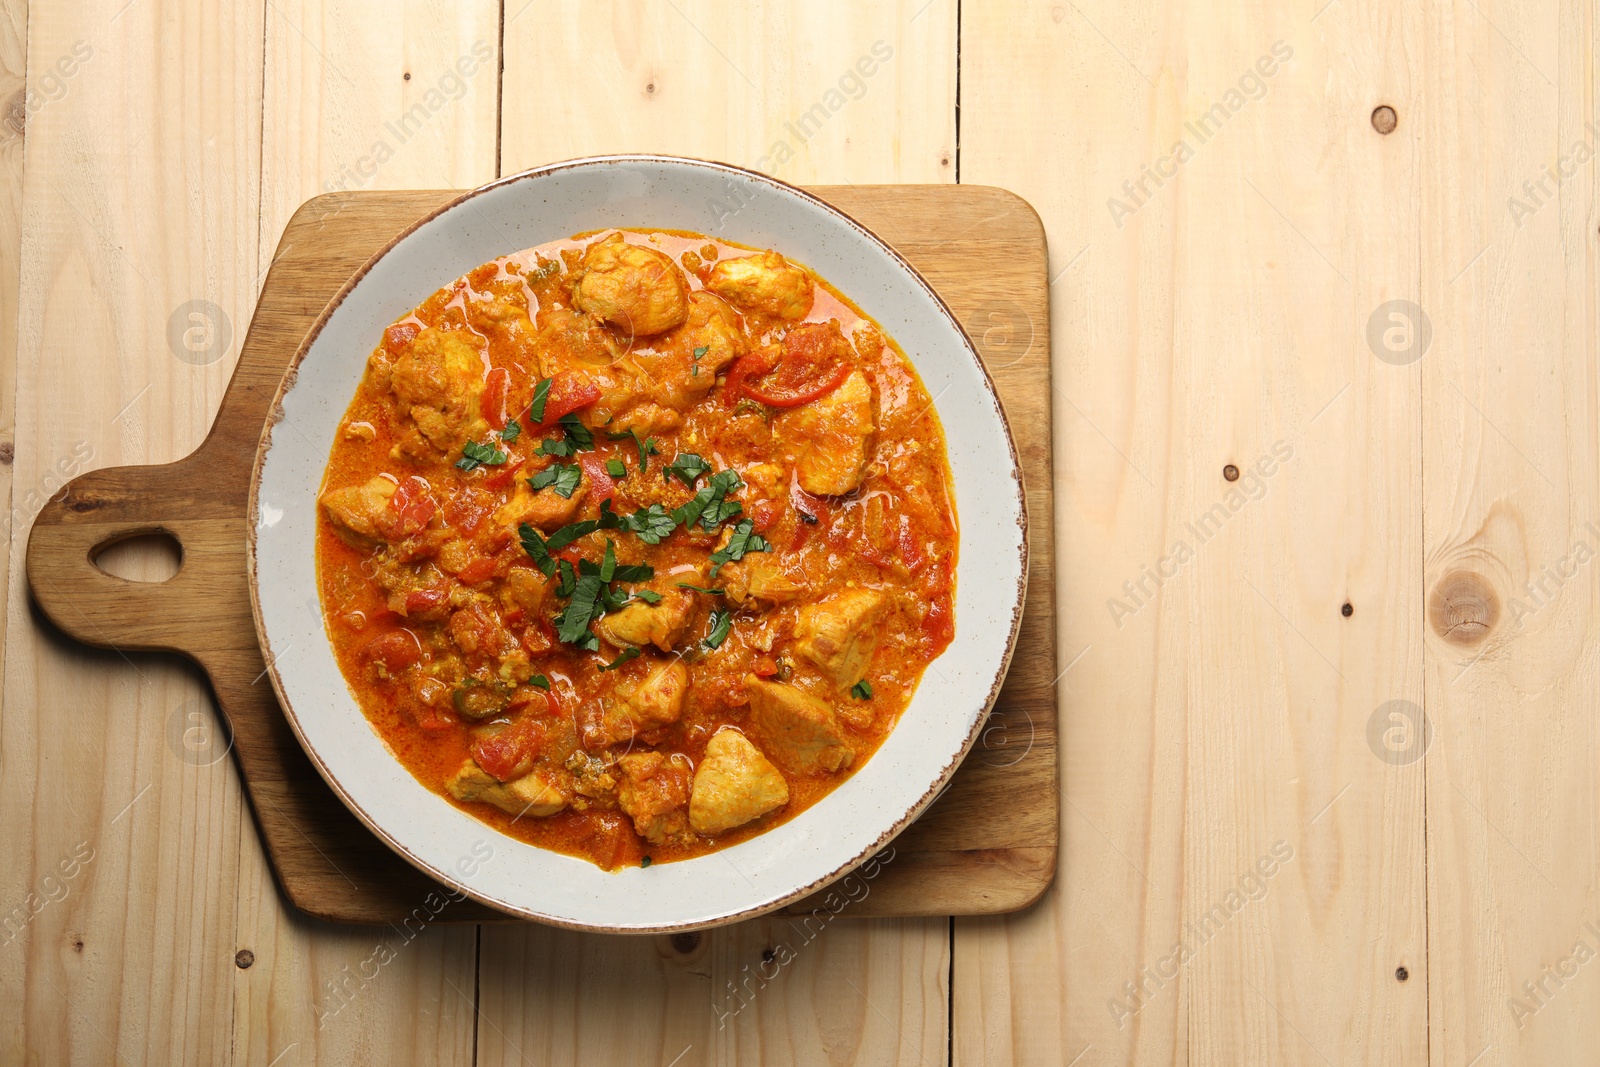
<point>635,545</point>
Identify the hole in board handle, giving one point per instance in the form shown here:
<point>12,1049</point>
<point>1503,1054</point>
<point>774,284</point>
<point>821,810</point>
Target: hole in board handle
<point>143,556</point>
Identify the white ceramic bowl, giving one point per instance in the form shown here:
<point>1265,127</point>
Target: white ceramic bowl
<point>833,836</point>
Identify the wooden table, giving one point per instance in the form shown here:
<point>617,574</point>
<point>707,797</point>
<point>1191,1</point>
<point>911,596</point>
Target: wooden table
<point>1269,855</point>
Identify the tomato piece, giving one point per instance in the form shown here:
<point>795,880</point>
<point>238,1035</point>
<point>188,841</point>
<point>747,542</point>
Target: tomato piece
<point>567,394</point>
<point>412,506</point>
<point>939,625</point>
<point>493,401</point>
<point>766,514</point>
<point>398,336</point>
<point>509,753</point>
<point>479,570</point>
<point>467,509</point>
<point>601,485</point>
<point>764,667</point>
<point>814,361</point>
<point>497,478</point>
<point>422,601</point>
<point>393,652</point>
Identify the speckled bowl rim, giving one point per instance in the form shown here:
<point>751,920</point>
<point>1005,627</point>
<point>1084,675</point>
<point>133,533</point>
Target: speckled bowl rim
<point>901,822</point>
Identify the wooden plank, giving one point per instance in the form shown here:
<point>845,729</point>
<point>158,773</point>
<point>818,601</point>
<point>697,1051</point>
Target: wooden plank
<point>1513,494</point>
<point>359,97</point>
<point>121,845</point>
<point>1218,716</point>
<point>702,83</point>
<point>833,93</point>
<point>13,127</point>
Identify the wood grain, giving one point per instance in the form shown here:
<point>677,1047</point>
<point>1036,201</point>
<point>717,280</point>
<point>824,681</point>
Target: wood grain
<point>1509,440</point>
<point>953,861</point>
<point>132,846</point>
<point>356,96</point>
<point>1221,702</point>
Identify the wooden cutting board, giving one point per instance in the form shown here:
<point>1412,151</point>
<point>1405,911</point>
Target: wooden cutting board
<point>988,845</point>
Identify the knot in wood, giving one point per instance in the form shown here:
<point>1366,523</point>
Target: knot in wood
<point>1463,608</point>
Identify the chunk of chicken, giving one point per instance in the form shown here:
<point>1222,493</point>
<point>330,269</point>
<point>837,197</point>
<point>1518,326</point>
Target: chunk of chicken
<point>358,512</point>
<point>653,791</point>
<point>838,634</point>
<point>711,340</point>
<point>831,436</point>
<point>543,508</point>
<point>569,341</point>
<point>766,283</point>
<point>662,624</point>
<point>734,784</point>
<point>799,730</point>
<point>438,381</point>
<point>636,289</point>
<point>532,794</point>
<point>633,708</point>
<point>758,577</point>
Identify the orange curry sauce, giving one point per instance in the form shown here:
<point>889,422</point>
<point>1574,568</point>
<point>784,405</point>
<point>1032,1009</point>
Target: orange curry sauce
<point>756,469</point>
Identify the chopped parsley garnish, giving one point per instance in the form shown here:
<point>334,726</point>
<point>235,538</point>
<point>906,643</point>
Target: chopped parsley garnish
<point>616,468</point>
<point>562,477</point>
<point>698,589</point>
<point>541,393</point>
<point>651,524</point>
<point>576,438</point>
<point>572,625</point>
<point>536,548</point>
<point>647,447</point>
<point>687,468</point>
<point>710,506</point>
<point>512,431</point>
<point>744,539</point>
<point>474,455</point>
<point>627,654</point>
<point>694,371</point>
<point>539,681</point>
<point>862,690</point>
<point>721,626</point>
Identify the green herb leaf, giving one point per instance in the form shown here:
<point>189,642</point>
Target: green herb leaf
<point>473,454</point>
<point>536,548</point>
<point>652,524</point>
<point>627,654</point>
<point>645,862</point>
<point>687,468</point>
<point>568,580</point>
<point>710,505</point>
<point>721,626</point>
<point>701,351</point>
<point>698,589</point>
<point>562,477</point>
<point>649,596</point>
<point>577,433</point>
<point>539,681</point>
<point>616,468</point>
<point>634,572</point>
<point>577,438</point>
<point>744,539</point>
<point>647,447</point>
<point>512,431</point>
<point>570,533</point>
<point>541,393</point>
<point>862,690</point>
<point>572,625</point>
<point>608,565</point>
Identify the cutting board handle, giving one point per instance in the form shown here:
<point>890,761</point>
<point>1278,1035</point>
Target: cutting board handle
<point>100,508</point>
